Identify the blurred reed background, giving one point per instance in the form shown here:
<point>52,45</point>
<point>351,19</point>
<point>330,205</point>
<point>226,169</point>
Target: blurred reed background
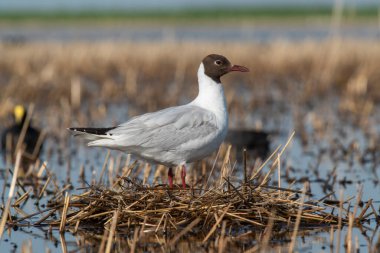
<point>149,76</point>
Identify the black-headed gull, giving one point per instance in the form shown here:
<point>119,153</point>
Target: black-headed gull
<point>177,135</point>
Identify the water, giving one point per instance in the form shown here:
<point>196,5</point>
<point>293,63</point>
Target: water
<point>236,33</point>
<point>164,4</point>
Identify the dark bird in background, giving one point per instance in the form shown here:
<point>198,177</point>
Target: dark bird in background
<point>257,143</point>
<point>30,144</point>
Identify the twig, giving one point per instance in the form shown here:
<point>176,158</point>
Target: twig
<point>10,194</point>
<point>298,220</point>
<point>64,213</point>
<point>112,231</point>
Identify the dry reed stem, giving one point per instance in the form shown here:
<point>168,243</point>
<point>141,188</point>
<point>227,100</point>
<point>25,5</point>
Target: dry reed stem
<point>45,217</point>
<point>339,220</point>
<point>298,220</point>
<point>20,211</point>
<point>103,241</point>
<point>374,212</point>
<point>265,163</point>
<point>212,168</point>
<point>147,170</point>
<point>112,231</point>
<point>104,167</point>
<point>364,210</point>
<point>245,166</point>
<point>8,161</point>
<point>63,242</point>
<point>222,242</point>
<point>125,174</point>
<point>44,188</point>
<point>110,170</point>
<point>64,213</point>
<point>331,238</point>
<point>39,143</point>
<point>135,239</point>
<point>349,232</point>
<point>42,169</point>
<point>267,234</point>
<point>224,166</point>
<point>279,172</point>
<point>10,194</point>
<point>216,223</point>
<point>26,246</point>
<point>184,231</point>
<point>23,197</point>
<point>143,226</point>
<point>358,200</point>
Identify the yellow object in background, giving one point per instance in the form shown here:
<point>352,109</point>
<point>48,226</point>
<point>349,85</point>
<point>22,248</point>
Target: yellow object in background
<point>19,113</point>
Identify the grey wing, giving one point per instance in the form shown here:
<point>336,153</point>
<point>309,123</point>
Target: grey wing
<point>167,129</point>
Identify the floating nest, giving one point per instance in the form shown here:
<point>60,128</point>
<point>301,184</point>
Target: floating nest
<point>130,205</point>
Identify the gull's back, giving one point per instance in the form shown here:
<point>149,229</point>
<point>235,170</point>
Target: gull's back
<point>171,136</point>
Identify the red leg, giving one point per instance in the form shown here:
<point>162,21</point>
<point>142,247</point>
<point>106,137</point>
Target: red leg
<point>170,177</point>
<point>183,176</point>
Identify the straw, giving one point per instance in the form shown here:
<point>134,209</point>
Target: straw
<point>10,194</point>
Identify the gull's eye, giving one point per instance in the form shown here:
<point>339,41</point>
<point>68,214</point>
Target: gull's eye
<point>218,62</point>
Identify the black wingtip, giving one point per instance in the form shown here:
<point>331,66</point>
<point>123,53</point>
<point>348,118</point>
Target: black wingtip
<point>97,131</point>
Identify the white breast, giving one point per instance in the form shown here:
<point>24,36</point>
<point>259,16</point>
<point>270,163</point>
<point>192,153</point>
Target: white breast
<point>211,97</point>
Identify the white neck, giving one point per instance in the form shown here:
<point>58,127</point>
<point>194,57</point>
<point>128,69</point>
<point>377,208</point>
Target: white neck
<point>211,96</point>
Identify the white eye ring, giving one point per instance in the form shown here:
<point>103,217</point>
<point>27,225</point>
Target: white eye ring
<point>218,62</point>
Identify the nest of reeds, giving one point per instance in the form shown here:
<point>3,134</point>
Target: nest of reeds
<point>162,208</point>
<point>131,205</point>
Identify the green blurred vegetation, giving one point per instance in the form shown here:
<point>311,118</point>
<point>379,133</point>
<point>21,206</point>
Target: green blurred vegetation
<point>191,14</point>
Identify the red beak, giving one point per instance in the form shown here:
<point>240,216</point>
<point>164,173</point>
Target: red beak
<point>239,68</point>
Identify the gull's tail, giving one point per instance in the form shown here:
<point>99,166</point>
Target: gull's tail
<point>95,136</point>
